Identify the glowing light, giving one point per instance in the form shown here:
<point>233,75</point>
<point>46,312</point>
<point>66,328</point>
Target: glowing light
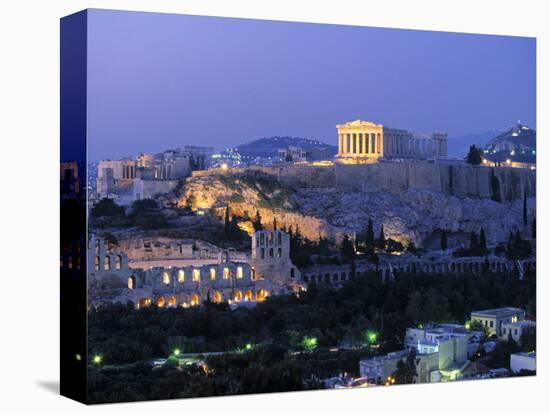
<point>467,325</point>
<point>508,161</point>
<point>78,357</point>
<point>309,343</point>
<point>224,166</point>
<point>97,359</point>
<point>177,352</point>
<point>372,336</point>
<point>248,347</point>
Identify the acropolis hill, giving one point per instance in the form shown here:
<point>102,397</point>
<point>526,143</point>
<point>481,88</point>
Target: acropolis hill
<point>412,199</point>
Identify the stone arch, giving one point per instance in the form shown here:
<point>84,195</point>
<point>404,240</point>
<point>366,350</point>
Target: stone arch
<point>248,295</point>
<point>172,302</point>
<point>195,300</point>
<point>160,302</point>
<point>132,282</point>
<point>217,297</point>
<point>238,296</point>
<point>166,278</point>
<point>261,295</point>
<point>144,302</point>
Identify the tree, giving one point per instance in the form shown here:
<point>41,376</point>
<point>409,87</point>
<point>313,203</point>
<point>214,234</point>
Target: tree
<point>474,243</point>
<point>482,241</point>
<point>145,205</point>
<point>346,248</point>
<point>443,241</point>
<point>474,155</point>
<point>257,223</point>
<point>227,222</point>
<point>406,369</point>
<point>369,236</point>
<point>106,207</point>
<point>525,208</point>
<point>381,242</point>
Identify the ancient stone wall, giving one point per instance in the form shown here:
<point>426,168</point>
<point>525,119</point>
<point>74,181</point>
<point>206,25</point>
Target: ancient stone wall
<point>457,179</point>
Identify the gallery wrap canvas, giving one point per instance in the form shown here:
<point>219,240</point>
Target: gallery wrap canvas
<point>253,206</point>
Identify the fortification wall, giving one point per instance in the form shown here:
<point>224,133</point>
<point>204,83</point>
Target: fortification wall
<point>462,180</point>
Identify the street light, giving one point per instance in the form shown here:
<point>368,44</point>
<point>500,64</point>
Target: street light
<point>97,359</point>
<point>177,352</point>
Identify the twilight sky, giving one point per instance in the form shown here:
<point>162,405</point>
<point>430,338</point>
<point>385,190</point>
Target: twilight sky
<point>160,81</point>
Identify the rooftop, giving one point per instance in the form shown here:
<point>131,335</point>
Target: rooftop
<point>498,312</point>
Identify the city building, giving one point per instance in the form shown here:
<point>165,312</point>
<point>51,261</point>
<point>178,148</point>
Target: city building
<point>363,141</point>
<point>292,154</point>
<point>516,330</point>
<point>149,174</point>
<point>523,361</point>
<point>494,319</point>
<point>378,369</point>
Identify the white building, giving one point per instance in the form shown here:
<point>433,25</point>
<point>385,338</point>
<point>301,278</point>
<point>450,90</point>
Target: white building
<point>494,319</point>
<point>523,361</point>
<point>516,330</point>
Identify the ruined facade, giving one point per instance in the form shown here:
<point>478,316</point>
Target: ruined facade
<point>360,141</point>
<point>221,277</point>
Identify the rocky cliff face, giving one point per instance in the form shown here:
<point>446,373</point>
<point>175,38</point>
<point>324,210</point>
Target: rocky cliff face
<point>412,215</point>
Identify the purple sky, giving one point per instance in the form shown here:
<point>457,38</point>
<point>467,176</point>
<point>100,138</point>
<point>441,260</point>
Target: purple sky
<point>159,81</point>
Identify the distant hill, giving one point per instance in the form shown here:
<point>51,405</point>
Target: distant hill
<point>459,146</point>
<point>268,147</point>
<point>517,144</point>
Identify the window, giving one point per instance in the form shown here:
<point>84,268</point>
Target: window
<point>271,252</point>
<point>515,332</point>
<point>239,272</point>
<point>263,253</point>
<point>96,264</point>
<point>279,252</point>
<point>212,273</point>
<point>131,282</point>
<point>166,278</point>
<point>279,238</point>
<point>226,273</point>
<point>107,263</point>
<point>181,276</point>
<point>118,262</point>
<point>262,239</point>
<point>196,275</point>
<point>292,272</point>
<point>491,324</point>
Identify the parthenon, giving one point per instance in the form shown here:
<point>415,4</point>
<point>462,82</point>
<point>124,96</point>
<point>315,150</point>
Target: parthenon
<point>364,141</point>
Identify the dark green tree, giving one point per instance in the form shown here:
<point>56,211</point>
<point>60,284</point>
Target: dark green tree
<point>443,241</point>
<point>474,243</point>
<point>369,236</point>
<point>346,248</point>
<point>474,155</point>
<point>482,241</point>
<point>257,223</point>
<point>106,207</point>
<point>381,242</point>
<point>525,209</point>
<point>406,369</point>
<point>227,222</point>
